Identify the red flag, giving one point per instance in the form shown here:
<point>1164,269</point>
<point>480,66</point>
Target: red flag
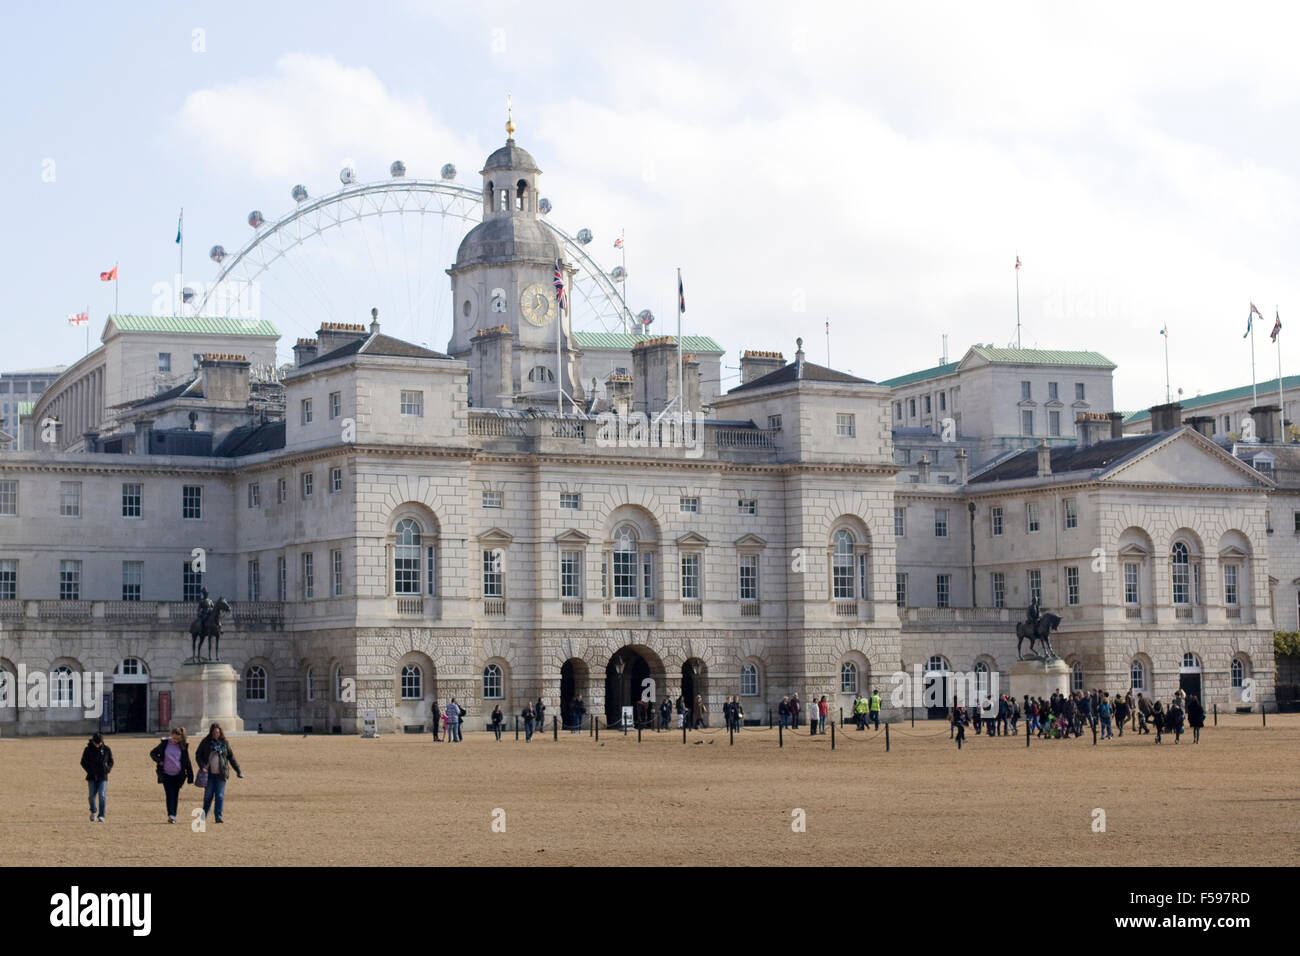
<point>79,318</point>
<point>1017,263</point>
<point>109,276</point>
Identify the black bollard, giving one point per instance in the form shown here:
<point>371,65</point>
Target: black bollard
<point>638,734</point>
<point>596,727</point>
<point>1263,715</point>
<point>780,736</point>
<point>1216,713</point>
<point>1094,733</point>
<point>555,728</point>
<point>1027,735</point>
<point>913,716</point>
<point>516,727</point>
<point>731,735</point>
<point>886,737</point>
<point>833,735</point>
<point>683,731</point>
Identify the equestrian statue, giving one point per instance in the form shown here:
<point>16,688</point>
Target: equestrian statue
<point>1037,628</point>
<point>207,625</point>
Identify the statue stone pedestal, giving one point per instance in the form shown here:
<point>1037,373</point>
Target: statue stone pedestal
<point>203,694</point>
<point>1039,679</point>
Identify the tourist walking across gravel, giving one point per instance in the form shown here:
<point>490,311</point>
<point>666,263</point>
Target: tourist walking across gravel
<point>1195,717</point>
<point>215,759</point>
<point>172,757</point>
<point>97,761</point>
<point>496,720</point>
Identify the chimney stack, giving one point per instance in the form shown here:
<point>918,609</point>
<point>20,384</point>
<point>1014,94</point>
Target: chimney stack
<point>961,466</point>
<point>1092,427</point>
<point>225,379</point>
<point>332,335</point>
<point>757,364</point>
<point>923,470</point>
<point>304,352</point>
<point>1202,423</point>
<point>618,392</point>
<point>1116,424</point>
<point>1166,418</point>
<point>1265,417</point>
<point>490,361</point>
<point>1044,459</point>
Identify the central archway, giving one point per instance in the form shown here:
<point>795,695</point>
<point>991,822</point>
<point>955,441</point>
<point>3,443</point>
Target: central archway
<point>634,677</point>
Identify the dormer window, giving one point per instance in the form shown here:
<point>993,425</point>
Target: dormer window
<point>540,373</point>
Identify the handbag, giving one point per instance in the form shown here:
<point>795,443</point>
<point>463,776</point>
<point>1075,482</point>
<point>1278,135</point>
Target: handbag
<point>201,779</point>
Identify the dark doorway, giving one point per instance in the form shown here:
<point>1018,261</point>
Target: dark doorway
<point>573,682</point>
<point>938,695</point>
<point>1190,684</point>
<point>624,690</point>
<point>130,708</point>
<point>694,684</point>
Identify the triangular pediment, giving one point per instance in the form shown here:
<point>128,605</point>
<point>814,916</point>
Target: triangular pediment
<point>572,536</point>
<point>1133,551</point>
<point>497,535</point>
<point>1232,551</point>
<point>1187,459</point>
<point>692,539</point>
<point>751,541</point>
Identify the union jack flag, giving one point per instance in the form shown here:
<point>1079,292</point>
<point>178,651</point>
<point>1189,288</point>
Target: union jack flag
<point>560,296</point>
<point>1277,327</point>
<point>618,243</point>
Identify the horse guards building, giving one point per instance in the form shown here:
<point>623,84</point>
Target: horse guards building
<point>393,525</point>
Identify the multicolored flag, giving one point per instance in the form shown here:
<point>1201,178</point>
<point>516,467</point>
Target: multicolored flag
<point>79,318</point>
<point>1165,331</point>
<point>618,243</point>
<point>1277,327</point>
<point>109,276</point>
<point>560,296</point>
<point>1017,263</point>
<point>681,295</point>
<point>1250,317</point>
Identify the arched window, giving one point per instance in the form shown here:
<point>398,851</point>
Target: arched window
<point>936,663</point>
<point>61,687</point>
<point>1137,675</point>
<point>406,557</point>
<point>412,682</point>
<point>132,667</point>
<point>1182,574</point>
<point>255,682</point>
<point>540,373</point>
<point>1191,661</point>
<point>1076,676</point>
<point>338,682</point>
<point>492,682</point>
<point>625,562</point>
<point>848,678</point>
<point>982,683</point>
<point>1238,673</point>
<point>521,194</point>
<point>748,679</point>
<point>489,195</point>
<point>842,566</point>
<point>311,690</point>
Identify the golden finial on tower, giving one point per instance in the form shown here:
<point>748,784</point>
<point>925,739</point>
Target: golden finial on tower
<point>510,123</point>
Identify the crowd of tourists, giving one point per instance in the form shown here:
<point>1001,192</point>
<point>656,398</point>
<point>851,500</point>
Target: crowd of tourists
<point>1063,716</point>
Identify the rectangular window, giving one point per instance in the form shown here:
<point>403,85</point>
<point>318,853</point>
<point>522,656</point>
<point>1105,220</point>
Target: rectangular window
<point>412,403</point>
<point>941,522</point>
<point>1036,586</point>
<point>191,583</point>
<point>336,404</point>
<point>927,404</point>
<point>306,411</point>
<point>132,577</point>
<point>1132,595</point>
<point>1026,421</point>
<point>999,580</point>
<point>254,580</point>
<point>688,505</point>
<point>493,575</point>
<point>1078,391</point>
<point>1072,586</point>
<point>281,578</point>
<point>1053,392</point>
<point>1230,585</point>
<point>749,577</point>
<point>254,495</point>
<point>192,502</point>
<point>1031,517</point>
<point>648,575</point>
<point>690,577</point>
<point>900,588</point>
<point>911,408</point>
<point>941,585</point>
<point>70,499</point>
<point>131,494</point>
<point>430,572</point>
<point>900,522</point>
<point>1296,519</point>
<point>844,427</point>
<point>995,521</point>
<point>943,401</point>
<point>8,579</point>
<point>1025,392</point>
<point>862,577</point>
<point>69,580</point>
<point>164,361</point>
<point>307,481</point>
<point>308,576</point>
<point>625,571</point>
<point>1071,513</point>
<point>1054,424</point>
<point>336,480</point>
<point>747,506</point>
<point>336,573</point>
<point>774,421</point>
<point>571,574</point>
<point>282,490</point>
<point>493,499</point>
<point>9,501</point>
<point>570,501</point>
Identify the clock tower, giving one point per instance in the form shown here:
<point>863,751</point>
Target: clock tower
<point>504,279</point>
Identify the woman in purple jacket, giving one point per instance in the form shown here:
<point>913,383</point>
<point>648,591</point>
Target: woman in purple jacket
<point>172,757</point>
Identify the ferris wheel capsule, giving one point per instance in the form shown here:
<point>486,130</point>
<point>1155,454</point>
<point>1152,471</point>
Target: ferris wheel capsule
<point>448,171</point>
<point>618,274</point>
<point>645,317</point>
<point>299,193</point>
<point>255,219</point>
<point>347,175</point>
<point>544,206</point>
<point>584,236</point>
<point>217,253</point>
<point>398,169</point>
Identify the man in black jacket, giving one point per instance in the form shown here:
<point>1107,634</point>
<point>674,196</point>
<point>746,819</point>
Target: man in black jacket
<point>97,761</point>
<point>435,715</point>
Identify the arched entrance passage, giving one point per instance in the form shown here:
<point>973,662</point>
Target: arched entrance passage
<point>695,683</point>
<point>634,677</point>
<point>574,680</point>
<point>131,697</point>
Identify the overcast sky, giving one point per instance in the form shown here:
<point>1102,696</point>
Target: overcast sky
<point>877,165</point>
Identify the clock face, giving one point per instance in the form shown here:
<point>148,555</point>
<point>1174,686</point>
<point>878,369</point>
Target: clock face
<point>537,305</point>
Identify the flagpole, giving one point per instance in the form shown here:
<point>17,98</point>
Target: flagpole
<point>1169,395</point>
<point>622,234</point>
<point>1277,314</point>
<point>180,239</point>
<point>1279,361</point>
<point>1017,300</point>
<point>1254,394</point>
<point>115,307</point>
<point>828,342</point>
<point>681,398</point>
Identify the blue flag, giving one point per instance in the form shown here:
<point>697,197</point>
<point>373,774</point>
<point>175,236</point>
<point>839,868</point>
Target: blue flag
<point>178,225</point>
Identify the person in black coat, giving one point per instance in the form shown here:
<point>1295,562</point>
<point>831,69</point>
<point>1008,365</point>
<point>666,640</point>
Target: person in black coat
<point>97,761</point>
<point>172,757</point>
<point>435,715</point>
<point>539,715</point>
<point>665,714</point>
<point>1195,718</point>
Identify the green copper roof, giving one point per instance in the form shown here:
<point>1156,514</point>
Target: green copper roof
<point>625,340</point>
<point>1006,357</point>
<point>25,408</point>
<point>193,325</point>
<point>1267,392</point>
<point>913,377</point>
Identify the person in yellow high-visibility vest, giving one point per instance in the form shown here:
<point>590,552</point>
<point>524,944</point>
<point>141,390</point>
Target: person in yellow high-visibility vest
<point>860,712</point>
<point>875,708</point>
